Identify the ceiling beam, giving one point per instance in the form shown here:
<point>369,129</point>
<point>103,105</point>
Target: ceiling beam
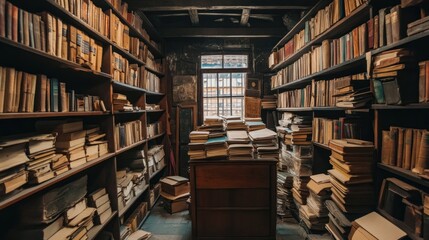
<point>193,14</point>
<point>185,5</point>
<point>221,32</point>
<point>245,17</point>
<point>267,17</point>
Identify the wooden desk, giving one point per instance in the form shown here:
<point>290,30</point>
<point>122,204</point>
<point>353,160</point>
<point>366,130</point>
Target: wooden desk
<point>233,199</point>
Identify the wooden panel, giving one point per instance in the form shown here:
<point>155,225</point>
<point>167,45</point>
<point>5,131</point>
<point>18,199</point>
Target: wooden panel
<point>233,198</point>
<point>223,177</point>
<point>228,224</point>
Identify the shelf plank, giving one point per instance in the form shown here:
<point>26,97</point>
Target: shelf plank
<point>355,64</point>
<point>158,73</point>
<point>133,31</point>
<point>407,174</point>
<point>51,64</point>
<point>94,231</point>
<point>133,200</point>
<point>311,109</point>
<point>129,88</point>
<point>14,198</point>
<point>155,111</point>
<point>343,26</point>
<point>157,171</point>
<point>144,219</point>
<point>124,149</point>
<point>323,146</point>
<point>156,136</point>
<point>65,15</point>
<point>413,106</point>
<point>129,112</point>
<point>154,93</point>
<point>423,36</point>
<point>51,114</point>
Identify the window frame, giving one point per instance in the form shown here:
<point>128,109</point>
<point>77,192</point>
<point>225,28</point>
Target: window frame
<point>230,71</point>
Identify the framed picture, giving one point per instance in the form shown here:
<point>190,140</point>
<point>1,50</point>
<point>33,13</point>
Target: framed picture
<point>253,84</point>
<point>184,89</point>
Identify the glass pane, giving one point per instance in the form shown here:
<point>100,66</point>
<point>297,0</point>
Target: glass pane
<point>211,61</point>
<point>210,107</point>
<point>238,84</point>
<point>235,61</point>
<point>237,106</point>
<point>209,85</point>
<point>225,106</point>
<point>224,84</point>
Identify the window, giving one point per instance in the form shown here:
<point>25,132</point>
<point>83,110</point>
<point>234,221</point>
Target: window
<point>223,84</point>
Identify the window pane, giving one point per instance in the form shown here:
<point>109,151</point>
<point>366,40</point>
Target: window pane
<point>238,84</point>
<point>224,84</point>
<point>235,61</point>
<point>237,106</point>
<point>210,107</point>
<point>211,61</point>
<point>209,85</point>
<point>225,106</point>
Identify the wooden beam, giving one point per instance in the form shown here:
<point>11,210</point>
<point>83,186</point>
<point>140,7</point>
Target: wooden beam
<point>222,32</point>
<point>185,5</point>
<point>193,14</point>
<point>245,17</point>
<point>266,17</point>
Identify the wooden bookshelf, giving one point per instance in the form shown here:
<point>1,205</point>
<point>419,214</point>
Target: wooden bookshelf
<point>52,114</point>
<point>343,26</point>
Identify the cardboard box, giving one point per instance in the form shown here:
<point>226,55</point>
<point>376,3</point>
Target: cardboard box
<point>174,206</point>
<point>175,185</point>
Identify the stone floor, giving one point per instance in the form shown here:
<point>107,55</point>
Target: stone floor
<point>165,226</point>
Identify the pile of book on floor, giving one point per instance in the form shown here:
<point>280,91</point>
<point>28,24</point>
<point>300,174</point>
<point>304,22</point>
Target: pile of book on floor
<point>254,124</point>
<point>121,103</point>
<point>131,227</point>
<point>265,143</point>
<point>352,182</point>
<point>406,148</point>
<point>352,91</point>
<point>175,190</point>
<point>269,102</point>
<point>284,194</point>
<point>315,214</point>
<point>233,123</point>
<point>395,77</point>
<point>239,146</point>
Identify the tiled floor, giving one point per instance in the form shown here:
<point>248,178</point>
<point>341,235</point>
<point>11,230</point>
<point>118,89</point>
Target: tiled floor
<point>165,226</point>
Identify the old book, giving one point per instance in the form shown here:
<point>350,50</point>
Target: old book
<point>15,23</point>
<point>97,194</point>
<point>9,89</point>
<point>408,142</point>
<point>75,210</point>
<point>63,98</point>
<point>423,154</point>
<point>393,150</point>
<point>101,219</point>
<point>400,150</point>
<point>12,179</point>
<point>2,87</point>
<point>64,41</point>
<point>36,30</point>
<point>42,35</point>
<point>395,23</point>
<point>63,233</point>
<point>422,81</point>
<point>2,18</point>
<point>77,163</point>
<point>376,32</point>
<point>87,213</point>
<point>382,27</point>
<point>388,22</point>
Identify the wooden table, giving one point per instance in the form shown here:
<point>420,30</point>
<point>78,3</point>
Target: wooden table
<point>233,199</point>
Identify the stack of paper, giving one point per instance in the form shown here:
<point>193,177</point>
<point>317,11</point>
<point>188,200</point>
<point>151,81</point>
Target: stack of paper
<point>315,213</point>
<point>284,194</point>
<point>239,146</point>
<point>199,136</point>
<point>212,124</point>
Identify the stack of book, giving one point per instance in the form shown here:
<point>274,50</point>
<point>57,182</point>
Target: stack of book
<point>151,82</point>
<point>80,216</point>
<point>265,143</point>
<point>12,164</point>
<point>284,194</point>
<point>233,123</point>
<point>406,148</point>
<point>418,26</point>
<point>156,154</point>
<point>339,225</point>
<point>295,129</point>
<point>216,147</point>
<point>197,144</point>
<point>315,213</point>
<point>41,152</point>
<point>269,102</point>
<point>254,124</point>
<point>175,190</point>
<point>395,77</point>
<point>239,146</point>
<point>212,124</point>
<point>352,93</point>
<point>199,136</point>
<point>121,103</point>
<point>352,176</point>
<point>125,188</point>
<point>150,106</point>
<point>96,145</point>
<point>99,200</point>
<point>70,140</point>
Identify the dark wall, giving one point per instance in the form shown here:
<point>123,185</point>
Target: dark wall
<point>182,58</point>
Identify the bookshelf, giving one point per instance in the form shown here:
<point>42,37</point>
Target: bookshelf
<point>382,117</point>
<point>102,170</point>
